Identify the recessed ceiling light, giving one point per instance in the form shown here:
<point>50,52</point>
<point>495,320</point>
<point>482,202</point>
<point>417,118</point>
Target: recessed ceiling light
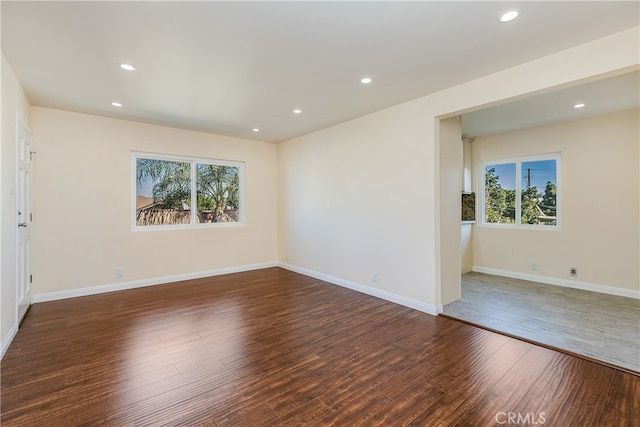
<point>579,105</point>
<point>297,111</point>
<point>127,67</point>
<point>366,80</point>
<point>256,130</point>
<point>116,104</point>
<point>509,15</point>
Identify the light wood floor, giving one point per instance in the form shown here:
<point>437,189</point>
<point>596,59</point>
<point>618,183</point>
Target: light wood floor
<point>592,324</point>
<point>274,348</point>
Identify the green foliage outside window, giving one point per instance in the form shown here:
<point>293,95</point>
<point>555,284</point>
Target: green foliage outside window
<point>500,203</point>
<point>537,207</point>
<point>217,191</point>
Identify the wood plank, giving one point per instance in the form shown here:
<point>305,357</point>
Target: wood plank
<point>622,402</point>
<point>275,348</point>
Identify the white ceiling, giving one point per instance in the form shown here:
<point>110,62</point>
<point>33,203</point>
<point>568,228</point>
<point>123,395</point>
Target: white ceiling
<point>229,67</point>
<point>600,97</point>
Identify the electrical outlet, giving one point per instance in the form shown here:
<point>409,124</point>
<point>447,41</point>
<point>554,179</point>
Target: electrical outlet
<point>289,257</point>
<point>119,272</point>
<point>374,276</point>
<point>534,265</point>
<point>573,271</point>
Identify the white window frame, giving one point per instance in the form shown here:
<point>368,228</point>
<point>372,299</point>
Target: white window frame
<point>193,160</point>
<point>518,174</point>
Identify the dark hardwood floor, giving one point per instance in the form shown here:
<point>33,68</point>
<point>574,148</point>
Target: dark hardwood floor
<point>274,348</point>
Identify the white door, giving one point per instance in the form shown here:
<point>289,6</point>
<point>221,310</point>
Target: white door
<point>23,222</point>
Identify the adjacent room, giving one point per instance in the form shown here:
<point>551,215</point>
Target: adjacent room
<point>543,277</point>
<point>320,213</point>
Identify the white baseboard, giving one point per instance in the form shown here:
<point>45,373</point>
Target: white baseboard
<point>378,293</point>
<point>101,289</point>
<point>629,293</point>
<point>6,341</point>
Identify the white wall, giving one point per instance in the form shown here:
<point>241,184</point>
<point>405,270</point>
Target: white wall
<point>599,203</point>
<point>14,104</point>
<point>352,201</point>
<point>466,251</point>
<point>363,196</point>
<point>451,165</point>
<point>466,228</point>
<point>82,204</point>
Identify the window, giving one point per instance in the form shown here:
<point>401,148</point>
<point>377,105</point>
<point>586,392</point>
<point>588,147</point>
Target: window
<point>522,192</point>
<point>167,188</point>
